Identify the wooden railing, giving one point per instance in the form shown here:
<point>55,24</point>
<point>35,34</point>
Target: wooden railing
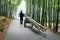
<point>36,24</point>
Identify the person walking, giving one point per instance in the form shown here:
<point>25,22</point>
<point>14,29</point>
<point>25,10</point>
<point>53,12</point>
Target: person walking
<point>21,17</point>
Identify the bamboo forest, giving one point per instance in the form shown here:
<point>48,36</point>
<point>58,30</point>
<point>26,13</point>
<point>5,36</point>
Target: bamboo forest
<point>41,19</point>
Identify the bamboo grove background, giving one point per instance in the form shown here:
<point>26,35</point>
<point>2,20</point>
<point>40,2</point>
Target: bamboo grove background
<point>45,12</point>
<point>8,6</point>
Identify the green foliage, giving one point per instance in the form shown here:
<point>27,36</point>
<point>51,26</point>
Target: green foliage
<point>2,24</point>
<point>2,28</point>
<point>7,6</point>
<point>15,2</point>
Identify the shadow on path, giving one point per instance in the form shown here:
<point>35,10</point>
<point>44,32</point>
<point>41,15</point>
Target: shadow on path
<point>37,32</point>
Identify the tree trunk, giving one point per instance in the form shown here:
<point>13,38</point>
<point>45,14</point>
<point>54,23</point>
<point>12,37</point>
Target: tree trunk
<point>57,16</point>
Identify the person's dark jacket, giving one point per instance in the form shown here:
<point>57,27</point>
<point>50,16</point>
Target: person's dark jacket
<point>21,16</point>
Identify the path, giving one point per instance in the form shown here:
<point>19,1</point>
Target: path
<point>19,32</point>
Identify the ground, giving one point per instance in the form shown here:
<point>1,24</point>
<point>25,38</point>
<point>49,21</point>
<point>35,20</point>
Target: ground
<point>17,31</point>
<point>2,34</point>
<point>58,33</point>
